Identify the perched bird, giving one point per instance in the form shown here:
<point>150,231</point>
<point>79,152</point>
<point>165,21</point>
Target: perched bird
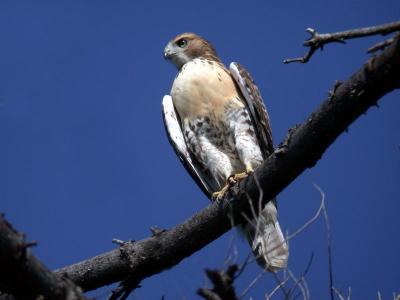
<point>217,123</point>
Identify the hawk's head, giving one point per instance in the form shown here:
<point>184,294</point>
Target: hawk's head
<point>188,46</point>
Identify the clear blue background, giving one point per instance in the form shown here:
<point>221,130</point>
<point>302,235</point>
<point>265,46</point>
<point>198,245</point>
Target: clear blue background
<point>84,157</point>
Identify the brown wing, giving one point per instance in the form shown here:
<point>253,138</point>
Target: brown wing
<point>256,106</point>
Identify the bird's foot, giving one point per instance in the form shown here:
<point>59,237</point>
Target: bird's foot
<point>232,180</point>
<point>220,194</point>
<point>240,176</point>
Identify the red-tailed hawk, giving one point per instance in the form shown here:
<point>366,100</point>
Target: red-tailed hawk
<point>218,125</point>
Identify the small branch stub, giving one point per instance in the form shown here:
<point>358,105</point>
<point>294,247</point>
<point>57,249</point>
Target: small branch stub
<point>382,45</point>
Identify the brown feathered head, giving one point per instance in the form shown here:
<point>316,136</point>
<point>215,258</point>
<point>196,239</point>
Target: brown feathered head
<point>188,46</point>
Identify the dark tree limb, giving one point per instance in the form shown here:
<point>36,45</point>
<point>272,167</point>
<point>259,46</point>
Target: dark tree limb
<point>223,284</point>
<point>302,148</point>
<point>23,276</point>
<point>318,40</point>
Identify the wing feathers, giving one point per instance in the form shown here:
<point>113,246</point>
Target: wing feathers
<point>177,140</point>
<point>256,106</point>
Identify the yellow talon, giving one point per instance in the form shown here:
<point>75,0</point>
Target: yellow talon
<point>233,179</point>
<point>220,194</point>
<point>240,176</point>
<point>243,175</point>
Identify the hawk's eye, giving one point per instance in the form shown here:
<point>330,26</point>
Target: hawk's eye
<point>181,43</point>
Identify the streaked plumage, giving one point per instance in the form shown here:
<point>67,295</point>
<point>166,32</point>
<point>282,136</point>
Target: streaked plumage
<point>219,127</point>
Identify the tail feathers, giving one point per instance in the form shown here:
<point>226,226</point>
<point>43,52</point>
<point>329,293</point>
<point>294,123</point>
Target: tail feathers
<point>267,241</point>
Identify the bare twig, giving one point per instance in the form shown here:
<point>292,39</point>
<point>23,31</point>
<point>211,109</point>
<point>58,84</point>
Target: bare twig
<point>340,295</point>
<point>232,252</point>
<point>303,276</point>
<point>282,283</point>
<point>298,283</point>
<point>118,242</point>
<point>308,142</point>
<point>244,265</point>
<point>299,230</point>
<point>24,276</point>
<point>337,292</point>
<point>301,282</point>
<point>379,295</point>
<point>381,45</point>
<point>252,283</point>
<point>309,222</point>
<point>277,288</point>
<point>305,284</point>
<point>329,241</point>
<point>308,267</point>
<point>318,40</point>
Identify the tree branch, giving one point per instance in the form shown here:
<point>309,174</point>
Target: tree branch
<point>302,148</point>
<point>318,40</point>
<point>24,276</point>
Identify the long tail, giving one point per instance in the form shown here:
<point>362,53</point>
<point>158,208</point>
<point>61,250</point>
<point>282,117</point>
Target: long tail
<point>266,239</point>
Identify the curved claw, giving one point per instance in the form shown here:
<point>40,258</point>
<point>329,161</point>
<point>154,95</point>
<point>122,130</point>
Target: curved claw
<point>240,176</point>
<point>220,194</point>
<point>233,179</point>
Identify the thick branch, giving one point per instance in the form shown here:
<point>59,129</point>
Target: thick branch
<point>302,149</point>
<point>24,276</point>
<point>318,40</point>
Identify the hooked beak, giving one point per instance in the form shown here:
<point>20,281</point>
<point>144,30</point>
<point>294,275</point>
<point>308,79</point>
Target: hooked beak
<point>168,53</point>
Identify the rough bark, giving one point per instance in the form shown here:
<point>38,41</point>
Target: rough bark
<point>303,147</point>
<point>23,276</point>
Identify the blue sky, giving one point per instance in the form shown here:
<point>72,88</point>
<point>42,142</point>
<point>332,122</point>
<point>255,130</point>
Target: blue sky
<point>84,157</point>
